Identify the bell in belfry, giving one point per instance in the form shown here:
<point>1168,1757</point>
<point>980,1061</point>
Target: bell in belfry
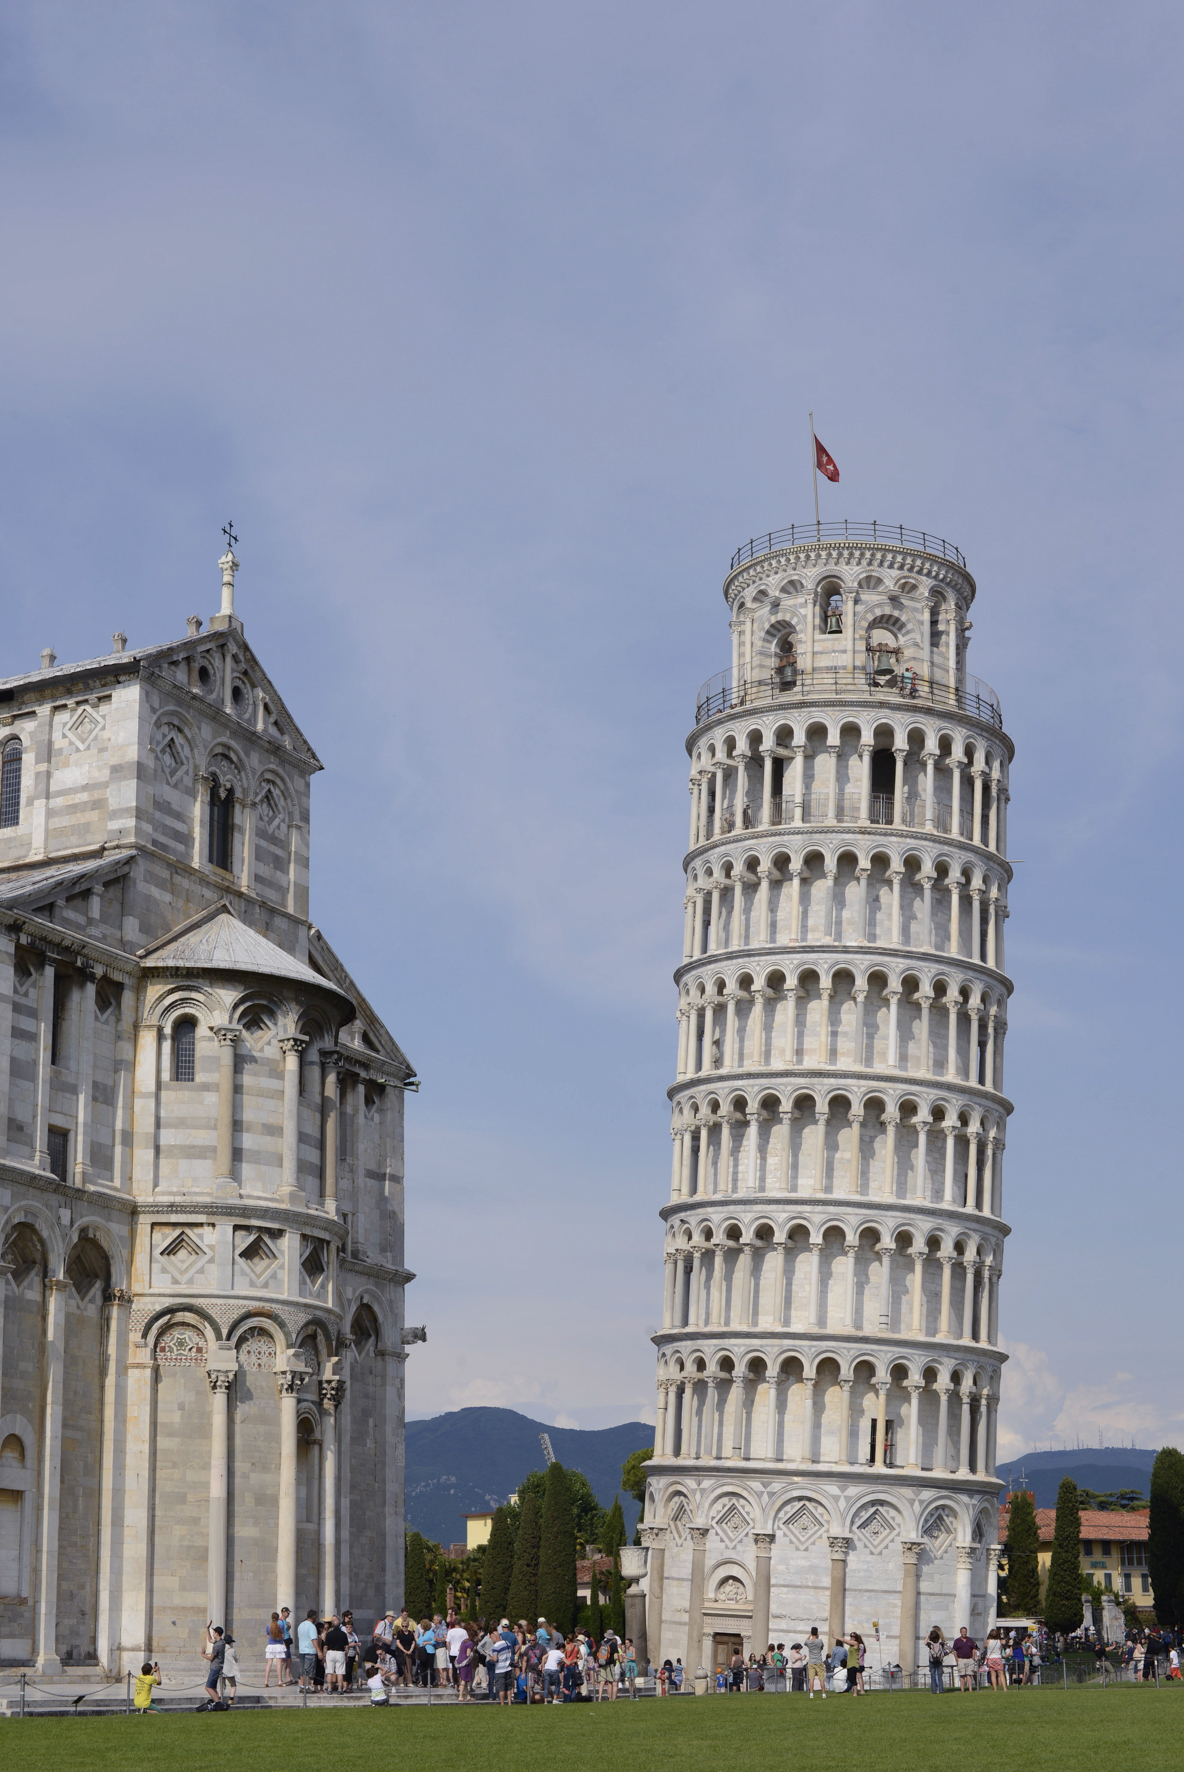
<point>834,615</point>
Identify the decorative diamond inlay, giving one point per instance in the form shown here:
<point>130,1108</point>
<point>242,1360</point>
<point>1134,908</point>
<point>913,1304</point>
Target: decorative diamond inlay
<point>732,1523</point>
<point>802,1523</point>
<point>182,1255</point>
<point>939,1530</point>
<point>877,1526</point>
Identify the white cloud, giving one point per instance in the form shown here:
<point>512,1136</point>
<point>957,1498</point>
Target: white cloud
<point>1037,1407</point>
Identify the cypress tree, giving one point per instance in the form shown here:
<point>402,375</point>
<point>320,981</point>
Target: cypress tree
<point>1165,1546</point>
<point>1063,1610</point>
<point>614,1538</point>
<point>441,1603</point>
<point>557,1553</point>
<point>499,1566</point>
<point>1023,1568</point>
<point>523,1598</point>
<point>417,1595</point>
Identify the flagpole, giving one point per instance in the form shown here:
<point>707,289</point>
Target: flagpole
<point>814,465</point>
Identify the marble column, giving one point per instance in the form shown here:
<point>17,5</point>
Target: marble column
<point>329,1129</point>
<point>220,1382</point>
<point>43,1059</point>
<point>906,1650</point>
<point>332,1392</point>
<point>844,1456</point>
<point>54,1350</point>
<point>7,973</point>
<point>941,1458</point>
<point>86,1066</point>
<point>288,1385</point>
<point>292,1048</point>
<point>962,1586</point>
<point>654,1539</point>
<point>135,1628</point>
<point>112,1473</point>
<point>693,1655</point>
<point>994,1552</point>
<point>763,1545</point>
<point>772,1386</point>
<point>837,1609</point>
<point>227,1038</point>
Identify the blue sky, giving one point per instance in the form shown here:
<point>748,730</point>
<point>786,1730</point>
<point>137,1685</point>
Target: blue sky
<point>496,328</point>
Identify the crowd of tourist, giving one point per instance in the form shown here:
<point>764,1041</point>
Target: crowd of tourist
<point>515,1663</point>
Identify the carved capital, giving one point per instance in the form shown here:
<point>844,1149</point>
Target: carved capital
<point>226,1035</point>
<point>839,1547</point>
<point>698,1536</point>
<point>910,1550</point>
<point>966,1556</point>
<point>654,1537</point>
<point>219,1381</point>
<point>764,1543</point>
<point>332,1393</point>
<point>115,1295</point>
<point>294,1043</point>
<point>288,1383</point>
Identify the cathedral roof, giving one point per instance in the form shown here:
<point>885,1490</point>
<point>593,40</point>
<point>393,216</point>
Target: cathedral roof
<point>32,887</point>
<point>216,941</point>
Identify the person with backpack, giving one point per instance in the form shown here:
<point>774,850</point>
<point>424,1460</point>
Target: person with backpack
<point>936,1645</point>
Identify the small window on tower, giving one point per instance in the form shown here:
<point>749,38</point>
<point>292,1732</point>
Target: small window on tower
<point>184,1052</point>
<point>10,784</point>
<point>221,825</point>
<point>59,1149</point>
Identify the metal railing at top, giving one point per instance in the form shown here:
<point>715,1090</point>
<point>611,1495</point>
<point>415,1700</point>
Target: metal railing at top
<point>719,695</point>
<point>798,534</point>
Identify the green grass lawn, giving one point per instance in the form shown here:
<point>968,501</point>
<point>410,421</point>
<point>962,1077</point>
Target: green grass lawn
<point>1041,1730</point>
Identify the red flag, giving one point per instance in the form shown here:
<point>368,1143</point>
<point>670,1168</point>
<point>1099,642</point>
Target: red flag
<point>826,462</point>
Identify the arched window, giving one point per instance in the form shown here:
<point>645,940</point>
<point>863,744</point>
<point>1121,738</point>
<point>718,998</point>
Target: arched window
<point>10,784</point>
<point>221,825</point>
<point>184,1052</point>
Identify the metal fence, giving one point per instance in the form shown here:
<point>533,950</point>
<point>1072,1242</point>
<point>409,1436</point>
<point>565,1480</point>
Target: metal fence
<point>800,534</point>
<point>720,695</point>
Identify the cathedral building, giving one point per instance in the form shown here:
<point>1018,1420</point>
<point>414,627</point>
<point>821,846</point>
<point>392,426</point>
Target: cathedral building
<point>829,1357</point>
<point>202,1333</point>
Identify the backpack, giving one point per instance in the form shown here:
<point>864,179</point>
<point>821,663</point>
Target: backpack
<point>937,1654</point>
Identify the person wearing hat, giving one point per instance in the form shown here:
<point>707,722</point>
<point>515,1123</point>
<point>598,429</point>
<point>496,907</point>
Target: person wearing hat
<point>542,1636</point>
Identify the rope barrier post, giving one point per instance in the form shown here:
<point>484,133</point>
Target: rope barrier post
<point>1065,1671</point>
<point>23,1677</point>
<point>304,1697</point>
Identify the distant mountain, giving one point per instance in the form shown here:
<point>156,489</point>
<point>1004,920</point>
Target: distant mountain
<point>475,1458</point>
<point>1091,1467</point>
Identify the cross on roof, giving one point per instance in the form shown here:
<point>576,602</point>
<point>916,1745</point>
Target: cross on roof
<point>228,532</point>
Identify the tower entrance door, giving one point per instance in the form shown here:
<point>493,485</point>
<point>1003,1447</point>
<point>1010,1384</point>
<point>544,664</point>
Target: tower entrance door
<point>722,1650</point>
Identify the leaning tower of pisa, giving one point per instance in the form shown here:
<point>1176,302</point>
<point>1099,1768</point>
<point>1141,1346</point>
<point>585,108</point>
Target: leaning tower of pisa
<point>828,1362</point>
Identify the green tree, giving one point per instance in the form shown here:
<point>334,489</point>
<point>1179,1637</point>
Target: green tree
<point>417,1593</point>
<point>588,1516</point>
<point>1063,1611</point>
<point>499,1566</point>
<point>614,1538</point>
<point>557,1552</point>
<point>1165,1545</point>
<point>633,1476</point>
<point>1023,1568</point>
<point>441,1602</point>
<point>523,1598</point>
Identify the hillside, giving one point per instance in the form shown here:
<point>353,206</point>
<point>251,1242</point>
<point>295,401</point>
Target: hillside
<point>476,1458</point>
<point>1091,1467</point>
